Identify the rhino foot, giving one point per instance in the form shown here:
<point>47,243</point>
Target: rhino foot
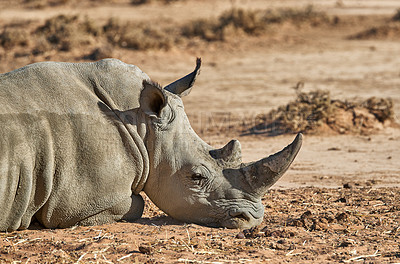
<point>130,209</point>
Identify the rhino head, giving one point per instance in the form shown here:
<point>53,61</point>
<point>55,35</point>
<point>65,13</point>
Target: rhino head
<point>193,182</point>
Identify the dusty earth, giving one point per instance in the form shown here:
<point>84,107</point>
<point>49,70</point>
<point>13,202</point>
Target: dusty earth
<point>340,200</point>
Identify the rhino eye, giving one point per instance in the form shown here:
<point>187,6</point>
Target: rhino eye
<point>197,177</point>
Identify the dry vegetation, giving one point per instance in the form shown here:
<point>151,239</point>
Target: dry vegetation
<point>138,36</point>
<point>236,21</point>
<point>71,32</point>
<point>389,30</point>
<point>315,112</point>
<point>68,32</point>
<point>42,4</point>
<point>142,2</point>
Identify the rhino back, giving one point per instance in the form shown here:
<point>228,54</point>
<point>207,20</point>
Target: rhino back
<point>64,155</point>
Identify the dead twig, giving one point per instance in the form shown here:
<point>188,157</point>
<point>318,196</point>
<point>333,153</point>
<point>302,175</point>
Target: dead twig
<point>363,257</point>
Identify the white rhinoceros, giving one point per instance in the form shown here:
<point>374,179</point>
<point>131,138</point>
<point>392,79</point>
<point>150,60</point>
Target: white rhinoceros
<point>80,141</point>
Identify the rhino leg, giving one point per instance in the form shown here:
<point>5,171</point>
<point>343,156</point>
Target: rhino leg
<point>129,209</point>
<point>136,209</point>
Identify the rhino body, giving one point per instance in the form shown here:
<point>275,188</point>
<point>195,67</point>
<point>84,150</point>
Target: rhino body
<point>80,141</point>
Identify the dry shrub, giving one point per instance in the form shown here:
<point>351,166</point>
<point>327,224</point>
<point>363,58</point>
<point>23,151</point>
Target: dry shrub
<point>65,32</point>
<point>44,3</point>
<point>137,36</point>
<point>68,32</point>
<point>229,23</point>
<point>206,29</point>
<point>11,37</point>
<point>303,15</point>
<point>251,22</point>
<point>39,4</point>
<point>396,16</point>
<point>99,53</point>
<point>315,112</point>
<point>389,30</point>
<point>142,2</point>
<point>381,108</point>
<point>386,31</point>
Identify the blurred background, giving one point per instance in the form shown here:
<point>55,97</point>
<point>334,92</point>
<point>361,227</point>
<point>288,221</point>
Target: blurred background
<point>327,68</point>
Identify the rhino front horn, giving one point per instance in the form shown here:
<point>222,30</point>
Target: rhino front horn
<point>262,174</point>
<point>183,86</point>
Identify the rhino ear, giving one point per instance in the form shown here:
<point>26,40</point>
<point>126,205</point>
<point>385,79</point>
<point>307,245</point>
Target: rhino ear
<point>152,100</point>
<point>183,86</point>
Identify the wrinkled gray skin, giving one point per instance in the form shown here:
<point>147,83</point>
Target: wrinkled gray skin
<point>80,141</point>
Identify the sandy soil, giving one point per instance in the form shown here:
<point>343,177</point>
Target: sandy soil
<point>310,216</point>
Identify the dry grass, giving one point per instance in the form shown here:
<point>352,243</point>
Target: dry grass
<point>68,32</point>
<point>11,37</point>
<point>41,4</point>
<point>396,16</point>
<point>390,30</point>
<point>143,2</point>
<point>38,4</point>
<point>250,22</point>
<point>138,36</point>
<point>386,31</point>
<point>65,32</point>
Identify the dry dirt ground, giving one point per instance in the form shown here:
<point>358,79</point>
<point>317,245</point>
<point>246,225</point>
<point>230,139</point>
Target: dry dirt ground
<point>340,200</point>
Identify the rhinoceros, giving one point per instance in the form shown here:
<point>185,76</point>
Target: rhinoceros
<point>80,141</point>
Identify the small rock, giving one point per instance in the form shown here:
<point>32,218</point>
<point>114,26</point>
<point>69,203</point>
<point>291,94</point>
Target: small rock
<point>281,241</point>
<point>145,249</point>
<point>341,200</point>
<point>320,225</point>
<point>342,217</point>
<point>240,235</point>
<point>348,185</point>
<point>334,149</point>
<point>306,214</point>
<point>252,232</point>
<point>346,243</point>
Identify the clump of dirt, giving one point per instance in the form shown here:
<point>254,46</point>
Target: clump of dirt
<point>250,22</point>
<point>316,113</point>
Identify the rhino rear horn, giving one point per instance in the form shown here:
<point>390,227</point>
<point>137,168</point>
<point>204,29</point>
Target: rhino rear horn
<point>231,153</point>
<point>262,174</point>
<point>183,86</point>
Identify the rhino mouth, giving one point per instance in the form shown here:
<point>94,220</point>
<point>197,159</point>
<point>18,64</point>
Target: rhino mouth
<point>241,216</point>
<point>243,219</point>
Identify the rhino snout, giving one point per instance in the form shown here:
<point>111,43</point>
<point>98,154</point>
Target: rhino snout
<point>244,218</point>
